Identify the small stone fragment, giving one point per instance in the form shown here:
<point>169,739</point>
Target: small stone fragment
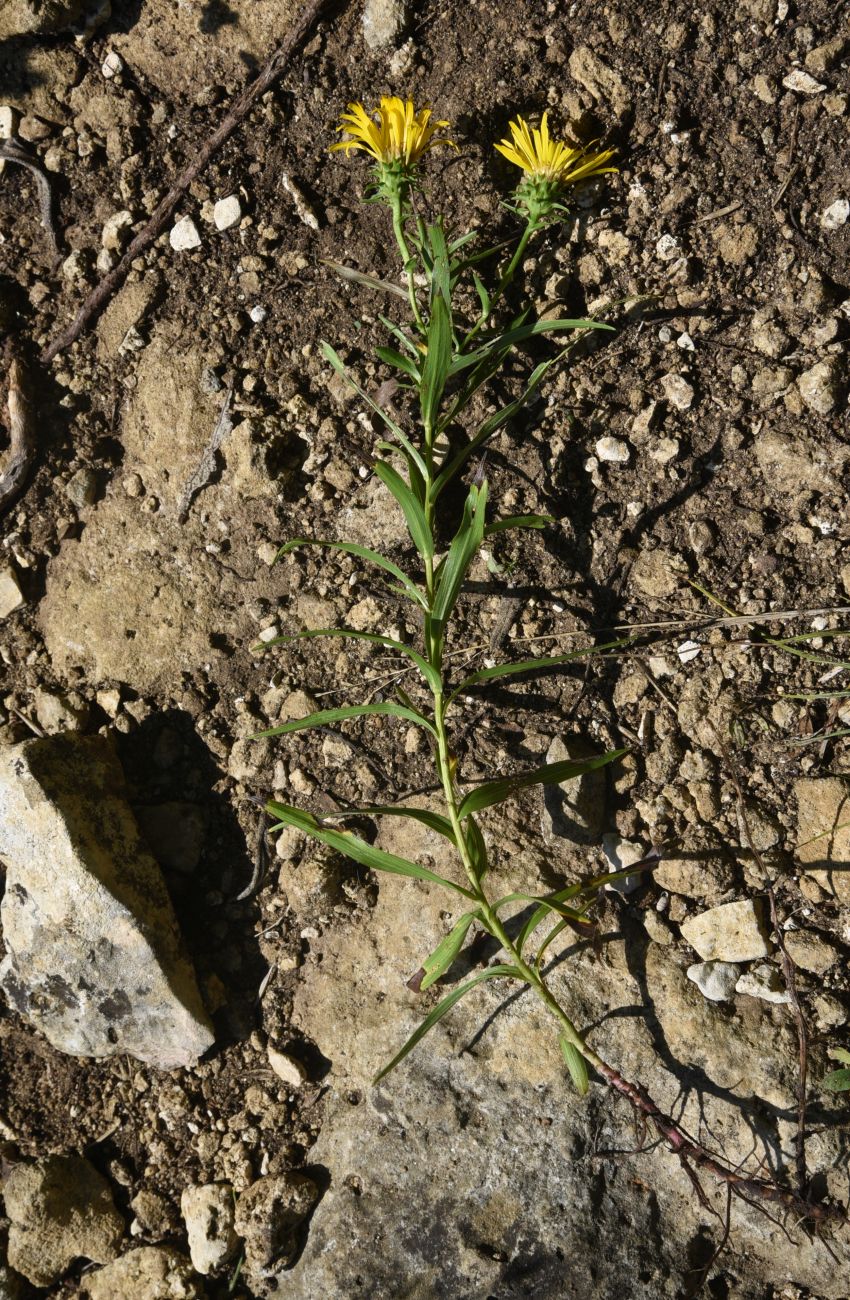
<point>613,450</point>
<point>56,712</point>
<point>823,832</point>
<point>383,22</point>
<point>575,809</point>
<point>802,82</point>
<point>601,82</point>
<point>286,1067</point>
<point>146,1273</point>
<point>81,488</point>
<point>60,1209</point>
<point>763,982</point>
<point>11,597</point>
<point>820,386</point>
<point>732,932</point>
<point>208,1212</point>
<point>184,235</point>
<point>227,212</point>
<point>299,199</point>
<point>668,247</point>
<point>268,1215</point>
<point>715,980</point>
<point>678,391</point>
<point>8,122</point>
<point>620,854</point>
<point>835,216</point>
<point>811,952</point>
<point>93,953</point>
<point>116,231</point>
<point>112,65</point>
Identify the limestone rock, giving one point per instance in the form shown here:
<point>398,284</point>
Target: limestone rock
<point>227,212</point>
<point>731,932</point>
<point>184,235</point>
<point>208,1212</point>
<point>21,17</point>
<point>383,22</point>
<point>820,386</point>
<point>147,1273</point>
<point>94,957</point>
<point>823,832</point>
<point>11,597</point>
<point>795,465</point>
<point>59,1209</point>
<point>763,982</point>
<point>811,952</point>
<point>715,980</point>
<point>268,1216</point>
<point>600,81</point>
<point>575,809</point>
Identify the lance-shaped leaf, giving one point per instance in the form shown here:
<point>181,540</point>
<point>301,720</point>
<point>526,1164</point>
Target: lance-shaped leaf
<point>391,357</point>
<point>476,848</point>
<point>438,358</point>
<point>493,792</point>
<point>518,521</point>
<point>555,902</point>
<point>577,1066</point>
<point>492,972</point>
<point>837,1081</point>
<point>432,677</point>
<point>444,954</point>
<point>522,332</point>
<point>362,553</point>
<point>414,515</point>
<point>533,665</point>
<point>352,846</point>
<point>465,544</point>
<point>336,361</point>
<point>367,281</point>
<point>326,716</point>
<point>433,820</point>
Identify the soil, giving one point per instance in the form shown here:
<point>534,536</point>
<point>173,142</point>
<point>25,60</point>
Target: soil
<point>712,253</point>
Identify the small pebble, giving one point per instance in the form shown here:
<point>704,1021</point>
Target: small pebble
<point>286,1067</point>
<point>258,314</point>
<point>112,65</point>
<point>803,82</point>
<point>763,982</point>
<point>716,980</point>
<point>227,212</point>
<point>668,247</point>
<point>11,597</point>
<point>184,235</point>
<point>835,216</point>
<point>613,450</point>
<point>678,391</point>
<point>687,651</point>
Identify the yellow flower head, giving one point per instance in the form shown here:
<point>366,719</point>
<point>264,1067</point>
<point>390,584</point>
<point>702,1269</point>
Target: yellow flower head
<point>549,165</point>
<point>399,135</point>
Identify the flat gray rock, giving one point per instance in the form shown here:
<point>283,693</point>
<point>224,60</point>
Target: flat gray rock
<point>94,958</point>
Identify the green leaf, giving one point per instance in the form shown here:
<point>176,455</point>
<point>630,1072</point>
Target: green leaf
<point>440,275</point>
<point>433,820</point>
<point>493,792</point>
<point>476,848</point>
<point>519,521</point>
<point>399,333</point>
<point>840,1054</point>
<point>391,357</point>
<point>553,934</point>
<point>432,677</point>
<point>335,361</point>
<point>576,1065</point>
<point>444,954</point>
<point>534,665</point>
<point>363,553</point>
<point>483,295</point>
<point>522,332</point>
<point>414,515</point>
<point>464,545</point>
<point>325,716</point>
<point>494,423</point>
<point>837,1081</point>
<point>352,846</point>
<point>438,358</point>
<point>368,281</point>
<point>492,972</point>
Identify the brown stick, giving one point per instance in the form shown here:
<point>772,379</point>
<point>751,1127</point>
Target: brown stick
<point>104,290</point>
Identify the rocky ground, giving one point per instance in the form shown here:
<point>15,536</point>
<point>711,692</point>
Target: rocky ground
<point>695,464</point>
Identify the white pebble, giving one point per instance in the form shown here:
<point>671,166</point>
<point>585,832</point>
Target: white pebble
<point>687,651</point>
<point>286,1067</point>
<point>184,235</point>
<point>685,342</point>
<point>802,82</point>
<point>715,980</point>
<point>258,314</point>
<point>112,65</point>
<point>11,597</point>
<point>227,212</point>
<point>8,122</point>
<point>835,216</point>
<point>613,450</point>
<point>668,247</point>
<point>678,391</point>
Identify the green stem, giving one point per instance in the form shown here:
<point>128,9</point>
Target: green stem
<point>506,277</point>
<point>491,919</point>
